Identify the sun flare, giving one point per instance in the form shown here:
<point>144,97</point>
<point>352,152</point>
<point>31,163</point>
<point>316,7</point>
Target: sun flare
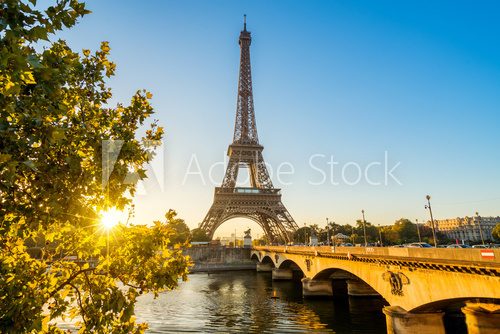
<point>110,218</point>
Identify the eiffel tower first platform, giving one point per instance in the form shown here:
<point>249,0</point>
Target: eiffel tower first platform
<point>260,202</point>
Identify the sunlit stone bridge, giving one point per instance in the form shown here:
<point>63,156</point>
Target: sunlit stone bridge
<point>417,284</point>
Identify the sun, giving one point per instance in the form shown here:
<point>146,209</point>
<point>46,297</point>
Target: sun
<point>110,218</point>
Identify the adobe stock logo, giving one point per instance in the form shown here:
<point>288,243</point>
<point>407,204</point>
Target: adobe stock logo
<point>155,169</point>
<point>321,170</point>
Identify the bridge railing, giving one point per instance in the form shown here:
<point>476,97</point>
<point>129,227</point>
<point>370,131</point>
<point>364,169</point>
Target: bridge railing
<point>491,256</point>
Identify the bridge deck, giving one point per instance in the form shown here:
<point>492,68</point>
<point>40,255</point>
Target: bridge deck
<point>457,257</point>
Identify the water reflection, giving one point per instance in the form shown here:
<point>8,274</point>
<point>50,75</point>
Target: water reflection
<point>242,302</point>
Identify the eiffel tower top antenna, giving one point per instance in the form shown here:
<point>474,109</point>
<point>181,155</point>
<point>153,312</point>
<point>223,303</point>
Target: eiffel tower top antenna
<point>245,128</point>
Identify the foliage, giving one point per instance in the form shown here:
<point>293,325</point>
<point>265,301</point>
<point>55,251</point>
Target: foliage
<point>262,241</point>
<point>54,125</point>
<point>406,230</point>
<point>496,232</point>
<point>198,234</point>
<point>301,236</point>
<point>180,231</point>
<point>402,231</point>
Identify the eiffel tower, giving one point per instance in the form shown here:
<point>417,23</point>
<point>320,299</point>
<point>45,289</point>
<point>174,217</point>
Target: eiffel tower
<point>260,202</point>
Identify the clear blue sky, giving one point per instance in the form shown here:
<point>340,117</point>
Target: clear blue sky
<point>353,79</point>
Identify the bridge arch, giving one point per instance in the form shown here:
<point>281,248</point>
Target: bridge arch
<point>289,264</point>
<point>268,260</point>
<point>453,303</point>
<point>334,273</point>
<point>255,257</point>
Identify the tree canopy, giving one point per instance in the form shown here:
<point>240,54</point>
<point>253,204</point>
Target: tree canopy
<point>66,155</point>
<point>198,234</point>
<point>180,231</point>
<point>496,232</point>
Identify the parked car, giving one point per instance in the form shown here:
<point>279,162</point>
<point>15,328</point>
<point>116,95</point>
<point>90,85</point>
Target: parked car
<point>347,244</point>
<point>458,246</point>
<point>480,246</point>
<point>397,246</point>
<point>419,245</point>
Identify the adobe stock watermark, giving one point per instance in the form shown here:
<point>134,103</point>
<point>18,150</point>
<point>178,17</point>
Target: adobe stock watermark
<point>320,169</point>
<point>155,169</point>
<point>326,169</point>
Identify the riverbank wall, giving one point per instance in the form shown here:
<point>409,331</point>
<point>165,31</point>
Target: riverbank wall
<point>219,258</point>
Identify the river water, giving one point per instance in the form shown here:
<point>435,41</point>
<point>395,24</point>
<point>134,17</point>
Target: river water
<point>250,302</point>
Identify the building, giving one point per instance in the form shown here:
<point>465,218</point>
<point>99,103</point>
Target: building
<point>467,228</point>
<point>230,241</point>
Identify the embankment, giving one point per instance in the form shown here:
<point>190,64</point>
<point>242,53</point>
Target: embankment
<point>219,258</point>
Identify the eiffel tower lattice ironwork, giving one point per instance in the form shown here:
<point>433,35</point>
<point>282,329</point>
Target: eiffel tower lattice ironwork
<point>260,202</point>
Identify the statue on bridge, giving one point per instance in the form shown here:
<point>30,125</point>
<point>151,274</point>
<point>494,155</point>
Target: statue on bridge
<point>247,239</point>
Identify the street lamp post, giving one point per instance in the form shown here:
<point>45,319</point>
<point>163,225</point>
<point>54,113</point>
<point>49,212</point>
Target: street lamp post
<point>352,236</point>
<point>334,240</point>
<point>327,233</point>
<point>364,227</point>
<point>418,231</point>
<point>380,235</point>
<point>305,235</point>
<point>428,206</point>
<point>480,227</point>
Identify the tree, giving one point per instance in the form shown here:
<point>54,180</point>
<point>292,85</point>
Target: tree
<point>302,235</point>
<point>180,233</point>
<point>390,236</point>
<point>198,234</point>
<point>406,230</point>
<point>66,156</point>
<point>371,231</point>
<point>496,232</point>
<point>263,241</point>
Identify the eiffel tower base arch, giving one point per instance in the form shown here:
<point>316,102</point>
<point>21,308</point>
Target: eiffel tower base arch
<point>263,206</point>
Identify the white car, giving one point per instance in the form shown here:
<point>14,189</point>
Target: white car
<point>457,246</point>
<point>419,245</point>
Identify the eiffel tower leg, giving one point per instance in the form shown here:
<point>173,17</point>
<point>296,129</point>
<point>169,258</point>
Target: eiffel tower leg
<point>212,220</point>
<point>264,181</point>
<point>231,173</point>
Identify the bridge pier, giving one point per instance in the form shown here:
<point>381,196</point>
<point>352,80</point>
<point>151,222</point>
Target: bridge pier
<point>359,288</point>
<point>316,288</point>
<point>482,318</point>
<point>282,274</point>
<point>339,287</point>
<point>264,267</point>
<point>401,322</point>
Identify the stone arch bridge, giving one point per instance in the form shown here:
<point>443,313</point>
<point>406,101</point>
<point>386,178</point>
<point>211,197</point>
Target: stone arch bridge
<point>416,283</point>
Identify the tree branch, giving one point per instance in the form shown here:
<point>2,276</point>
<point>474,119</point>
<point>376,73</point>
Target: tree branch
<point>69,280</point>
<point>79,297</point>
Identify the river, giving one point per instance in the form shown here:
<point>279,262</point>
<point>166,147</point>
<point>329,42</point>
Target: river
<point>250,302</point>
